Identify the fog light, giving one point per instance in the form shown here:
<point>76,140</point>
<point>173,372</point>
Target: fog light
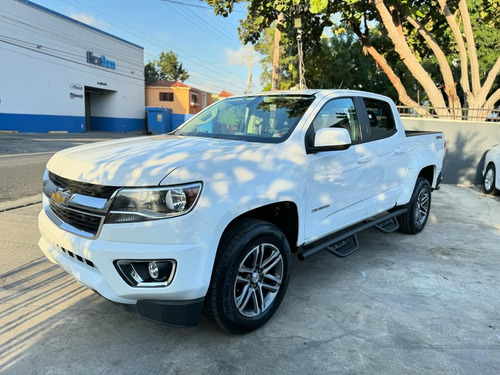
<point>153,270</point>
<point>147,273</point>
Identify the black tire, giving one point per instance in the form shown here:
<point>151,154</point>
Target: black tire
<point>242,282</point>
<point>419,207</point>
<point>489,179</point>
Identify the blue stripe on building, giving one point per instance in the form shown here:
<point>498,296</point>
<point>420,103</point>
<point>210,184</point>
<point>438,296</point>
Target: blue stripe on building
<point>110,124</point>
<point>178,120</point>
<point>25,123</point>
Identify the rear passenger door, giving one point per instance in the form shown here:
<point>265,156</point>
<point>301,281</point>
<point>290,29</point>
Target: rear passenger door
<point>386,145</point>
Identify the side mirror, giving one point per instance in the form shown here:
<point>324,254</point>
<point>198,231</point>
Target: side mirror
<point>331,139</point>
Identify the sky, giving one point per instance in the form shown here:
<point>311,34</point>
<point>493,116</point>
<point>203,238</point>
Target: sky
<point>207,45</point>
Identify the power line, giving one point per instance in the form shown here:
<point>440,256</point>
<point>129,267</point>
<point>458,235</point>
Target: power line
<point>33,33</point>
<point>151,39</point>
<point>64,59</point>
<point>202,23</point>
<point>198,6</point>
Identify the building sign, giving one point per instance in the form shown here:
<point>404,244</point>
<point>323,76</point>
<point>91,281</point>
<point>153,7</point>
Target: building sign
<point>79,88</point>
<point>76,86</point>
<point>100,61</point>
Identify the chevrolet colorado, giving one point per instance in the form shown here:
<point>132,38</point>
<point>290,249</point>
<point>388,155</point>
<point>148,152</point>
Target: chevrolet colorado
<point>205,219</point>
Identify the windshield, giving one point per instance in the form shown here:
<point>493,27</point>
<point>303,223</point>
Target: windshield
<point>251,118</point>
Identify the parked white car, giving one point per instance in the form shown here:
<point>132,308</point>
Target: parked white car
<point>491,179</point>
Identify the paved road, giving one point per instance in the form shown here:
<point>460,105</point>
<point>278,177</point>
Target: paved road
<point>23,158</point>
<point>21,175</point>
<point>23,143</point>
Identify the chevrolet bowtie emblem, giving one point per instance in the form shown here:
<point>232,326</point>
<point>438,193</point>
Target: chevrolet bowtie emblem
<point>61,196</point>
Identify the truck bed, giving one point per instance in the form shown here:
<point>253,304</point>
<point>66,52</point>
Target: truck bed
<point>412,133</point>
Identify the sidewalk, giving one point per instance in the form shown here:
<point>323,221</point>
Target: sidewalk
<point>19,239</point>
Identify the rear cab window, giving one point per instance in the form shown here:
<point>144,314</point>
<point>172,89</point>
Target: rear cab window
<point>380,119</point>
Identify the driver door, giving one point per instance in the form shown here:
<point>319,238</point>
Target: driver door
<point>336,180</point>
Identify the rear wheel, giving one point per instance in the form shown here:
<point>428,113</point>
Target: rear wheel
<point>250,276</point>
<point>489,179</point>
<point>419,207</point>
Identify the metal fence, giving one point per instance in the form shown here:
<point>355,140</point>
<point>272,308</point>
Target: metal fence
<point>466,114</point>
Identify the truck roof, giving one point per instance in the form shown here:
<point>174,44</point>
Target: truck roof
<point>321,92</point>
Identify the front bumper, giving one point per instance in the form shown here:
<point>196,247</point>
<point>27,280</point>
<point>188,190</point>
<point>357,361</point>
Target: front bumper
<point>91,262</point>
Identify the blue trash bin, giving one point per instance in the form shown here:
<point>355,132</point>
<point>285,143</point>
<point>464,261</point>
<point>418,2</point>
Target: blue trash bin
<point>159,120</point>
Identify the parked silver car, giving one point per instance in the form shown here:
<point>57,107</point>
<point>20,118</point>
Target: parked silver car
<point>491,179</point>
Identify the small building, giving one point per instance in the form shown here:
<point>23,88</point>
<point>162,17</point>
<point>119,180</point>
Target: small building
<point>59,74</point>
<point>182,99</point>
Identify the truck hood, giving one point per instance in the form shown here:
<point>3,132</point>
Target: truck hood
<point>142,161</point>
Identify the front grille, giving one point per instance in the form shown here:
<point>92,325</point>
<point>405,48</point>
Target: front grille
<point>83,188</point>
<point>81,220</point>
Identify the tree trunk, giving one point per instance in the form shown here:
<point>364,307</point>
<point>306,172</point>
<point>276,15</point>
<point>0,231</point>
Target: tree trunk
<point>471,47</point>
<point>450,89</point>
<point>410,60</point>
<point>488,83</point>
<point>464,61</point>
<point>490,103</point>
<point>396,82</point>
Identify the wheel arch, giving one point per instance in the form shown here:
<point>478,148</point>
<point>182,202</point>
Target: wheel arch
<point>428,173</point>
<point>284,215</point>
<point>496,177</point>
<point>490,163</point>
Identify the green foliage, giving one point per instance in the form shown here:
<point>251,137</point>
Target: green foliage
<point>318,6</point>
<point>169,68</point>
<point>485,16</point>
<point>150,73</point>
<point>361,16</point>
<point>341,64</point>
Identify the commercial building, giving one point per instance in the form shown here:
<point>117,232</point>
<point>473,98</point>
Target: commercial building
<point>58,74</point>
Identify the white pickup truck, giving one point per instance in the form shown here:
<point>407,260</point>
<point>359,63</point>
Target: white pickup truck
<point>206,218</point>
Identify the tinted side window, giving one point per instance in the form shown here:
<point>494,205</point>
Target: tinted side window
<point>339,113</point>
<point>380,117</point>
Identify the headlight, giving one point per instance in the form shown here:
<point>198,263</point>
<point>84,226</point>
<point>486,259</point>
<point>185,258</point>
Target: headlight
<point>132,205</point>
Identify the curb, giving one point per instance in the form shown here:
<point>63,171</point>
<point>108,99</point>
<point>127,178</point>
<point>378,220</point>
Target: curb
<point>20,203</point>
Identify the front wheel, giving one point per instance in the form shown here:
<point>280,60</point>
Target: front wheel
<point>250,276</point>
<point>419,207</point>
<point>489,179</point>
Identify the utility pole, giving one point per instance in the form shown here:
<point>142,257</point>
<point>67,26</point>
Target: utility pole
<point>302,80</point>
<point>249,80</point>
<point>276,54</point>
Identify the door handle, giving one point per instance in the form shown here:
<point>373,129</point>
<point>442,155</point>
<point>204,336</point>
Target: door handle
<point>399,151</point>
<point>364,159</point>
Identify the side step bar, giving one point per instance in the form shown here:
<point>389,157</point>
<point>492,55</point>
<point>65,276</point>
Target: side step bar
<point>346,242</point>
<point>388,226</point>
<point>345,247</point>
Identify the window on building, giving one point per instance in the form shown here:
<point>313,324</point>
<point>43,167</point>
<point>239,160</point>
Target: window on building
<point>194,98</point>
<point>166,96</point>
